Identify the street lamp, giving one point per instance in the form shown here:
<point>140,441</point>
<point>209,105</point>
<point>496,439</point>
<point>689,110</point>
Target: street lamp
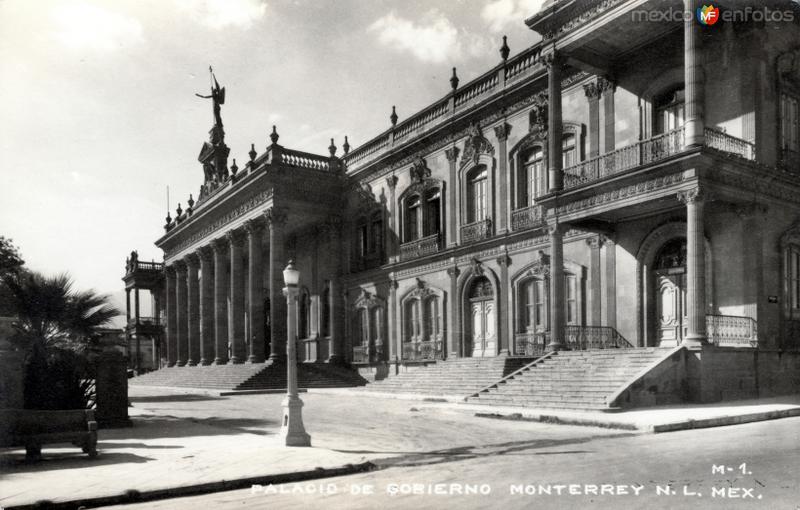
<point>292,430</point>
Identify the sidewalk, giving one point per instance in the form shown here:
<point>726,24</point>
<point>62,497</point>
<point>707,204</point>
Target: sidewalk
<point>194,441</point>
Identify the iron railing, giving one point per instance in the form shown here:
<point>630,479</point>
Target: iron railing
<point>732,331</point>
<point>581,338</point>
<point>420,247</point>
<point>145,321</point>
<point>423,351</point>
<point>531,344</point>
<point>528,217</point>
<point>476,231</point>
<point>641,153</point>
<point>368,354</point>
<point>721,141</point>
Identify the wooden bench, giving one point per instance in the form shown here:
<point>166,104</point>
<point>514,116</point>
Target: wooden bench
<point>33,428</point>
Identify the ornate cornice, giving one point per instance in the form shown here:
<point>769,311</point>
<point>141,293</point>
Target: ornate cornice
<point>368,300</point>
<point>620,193</point>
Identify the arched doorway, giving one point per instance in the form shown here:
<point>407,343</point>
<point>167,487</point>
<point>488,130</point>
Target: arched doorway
<point>669,277</point>
<point>481,332</point>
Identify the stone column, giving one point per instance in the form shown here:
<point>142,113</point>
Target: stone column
<point>453,204</point>
<point>128,306</point>
<point>610,283</point>
<point>595,281</point>
<point>206,255</point>
<point>193,311</point>
<point>335,348</point>
<point>182,308</point>
<point>255,289</point>
<point>554,124</point>
<point>593,91</point>
<point>696,267</point>
<point>557,284</point>
<point>220,247</point>
<point>172,316</point>
<point>276,220</point>
<point>236,242</point>
<point>453,321</point>
<point>504,333</point>
<point>693,75</point>
<point>609,139</point>
<point>392,315</point>
<point>503,203</point>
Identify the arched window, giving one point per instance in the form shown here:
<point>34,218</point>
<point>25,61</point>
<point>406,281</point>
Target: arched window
<point>412,319</point>
<point>433,318</point>
<point>532,181</point>
<point>477,194</point>
<point>571,313</point>
<point>668,111</point>
<point>433,208</point>
<point>569,150</point>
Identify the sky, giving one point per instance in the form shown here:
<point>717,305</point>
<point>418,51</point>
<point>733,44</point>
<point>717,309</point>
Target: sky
<point>100,116</point>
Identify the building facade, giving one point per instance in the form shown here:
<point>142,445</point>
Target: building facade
<point>621,183</point>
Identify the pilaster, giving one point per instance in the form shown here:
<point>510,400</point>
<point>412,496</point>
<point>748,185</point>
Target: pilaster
<point>504,332</point>
<point>503,203</point>
<point>556,233</point>
<point>453,199</point>
<point>593,92</point>
<point>608,89</point>
<point>595,280</point>
<point>453,320</point>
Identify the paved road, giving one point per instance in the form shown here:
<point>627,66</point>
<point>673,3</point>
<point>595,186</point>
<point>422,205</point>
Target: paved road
<point>433,456</point>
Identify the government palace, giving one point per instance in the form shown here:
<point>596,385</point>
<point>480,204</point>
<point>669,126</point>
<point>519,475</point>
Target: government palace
<point>608,218</point>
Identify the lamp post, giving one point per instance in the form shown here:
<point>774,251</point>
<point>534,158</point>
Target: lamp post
<point>292,430</point>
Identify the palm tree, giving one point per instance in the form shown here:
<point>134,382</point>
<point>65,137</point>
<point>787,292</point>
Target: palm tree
<point>56,324</point>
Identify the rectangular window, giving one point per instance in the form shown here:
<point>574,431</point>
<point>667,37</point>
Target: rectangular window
<point>539,303</point>
<point>790,123</point>
<point>794,277</point>
<point>377,237</point>
<point>362,241</point>
<point>433,318</point>
<point>571,298</point>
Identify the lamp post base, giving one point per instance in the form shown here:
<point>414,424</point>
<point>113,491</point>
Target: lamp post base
<point>292,431</point>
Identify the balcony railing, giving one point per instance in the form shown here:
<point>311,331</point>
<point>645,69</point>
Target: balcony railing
<point>581,338</point>
<point>423,351</point>
<point>531,344</point>
<point>732,331</point>
<point>724,142</point>
<point>368,354</point>
<point>145,321</point>
<point>641,153</point>
<point>476,231</point>
<point>420,247</point>
<point>528,217</point>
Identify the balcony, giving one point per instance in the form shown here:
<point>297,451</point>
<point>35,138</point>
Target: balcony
<point>731,331</point>
<point>423,351</point>
<point>477,231</point>
<point>531,344</point>
<point>724,142</point>
<point>420,247</point>
<point>528,217</point>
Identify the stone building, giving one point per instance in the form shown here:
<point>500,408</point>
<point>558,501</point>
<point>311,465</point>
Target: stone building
<point>629,181</point>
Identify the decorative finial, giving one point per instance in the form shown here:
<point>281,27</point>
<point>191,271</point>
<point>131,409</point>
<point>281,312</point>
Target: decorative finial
<point>504,49</point>
<point>253,152</point>
<point>169,220</point>
<point>190,201</point>
<point>346,145</point>
<point>332,148</point>
<point>274,136</point>
<point>393,116</point>
<point>179,211</point>
<point>234,168</point>
<point>454,80</point>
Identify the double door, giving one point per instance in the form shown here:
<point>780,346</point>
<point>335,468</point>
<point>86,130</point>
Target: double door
<point>484,333</point>
<point>671,306</point>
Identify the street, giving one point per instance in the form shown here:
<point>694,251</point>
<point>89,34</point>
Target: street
<point>434,457</point>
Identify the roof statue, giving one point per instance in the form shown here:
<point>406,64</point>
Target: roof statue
<point>217,96</point>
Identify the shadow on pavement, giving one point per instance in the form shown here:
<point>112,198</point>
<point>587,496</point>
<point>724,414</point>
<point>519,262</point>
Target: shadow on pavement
<point>73,460</point>
<point>163,426</point>
<point>187,397</point>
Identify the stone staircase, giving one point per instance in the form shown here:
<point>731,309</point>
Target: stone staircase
<point>250,376</point>
<point>457,377</point>
<point>570,379</point>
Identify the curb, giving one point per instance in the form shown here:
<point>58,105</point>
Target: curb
<point>134,496</point>
<point>228,393</point>
<point>724,420</point>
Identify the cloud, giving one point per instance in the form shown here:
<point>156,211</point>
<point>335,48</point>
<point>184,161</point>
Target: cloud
<point>432,39</point>
<point>502,13</point>
<point>219,14</point>
<point>80,25</point>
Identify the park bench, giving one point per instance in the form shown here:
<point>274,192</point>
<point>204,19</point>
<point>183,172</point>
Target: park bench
<point>34,428</point>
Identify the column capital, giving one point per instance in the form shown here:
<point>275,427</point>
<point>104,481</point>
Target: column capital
<point>452,154</point>
<point>550,59</point>
<point>453,272</point>
<point>393,284</point>
<point>276,216</point>
<point>170,270</point>
<point>557,228</point>
<point>504,260</point>
<point>606,84</point>
<point>596,243</point>
<point>219,245</point>
<point>391,181</point>
<point>206,253</point>
<point>694,195</point>
<point>192,261</point>
<point>254,226</point>
<point>592,90</point>
<point>235,237</point>
<point>180,267</point>
<point>502,131</point>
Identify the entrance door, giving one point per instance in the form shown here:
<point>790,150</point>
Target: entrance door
<point>482,331</point>
<point>670,280</point>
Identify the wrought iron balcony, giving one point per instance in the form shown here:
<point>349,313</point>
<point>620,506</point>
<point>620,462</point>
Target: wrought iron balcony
<point>476,231</point>
<point>581,338</point>
<point>528,217</point>
<point>732,331</point>
<point>641,153</point>
<point>721,141</point>
<point>423,351</point>
<point>420,247</point>
<point>530,344</point>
